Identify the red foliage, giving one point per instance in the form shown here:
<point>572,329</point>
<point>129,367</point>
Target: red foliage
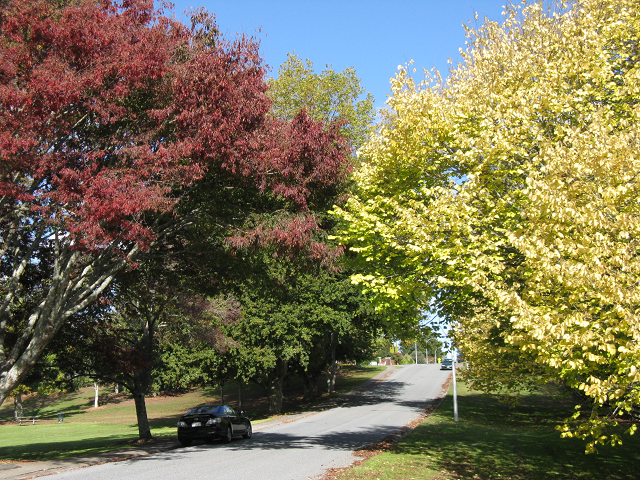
<point>122,360</point>
<point>108,109</point>
<point>296,158</point>
<point>291,237</point>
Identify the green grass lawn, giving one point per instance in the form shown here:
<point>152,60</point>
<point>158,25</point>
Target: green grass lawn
<point>51,440</point>
<point>495,441</point>
<point>87,430</point>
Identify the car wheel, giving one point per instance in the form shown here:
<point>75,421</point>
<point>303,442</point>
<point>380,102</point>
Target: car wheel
<point>229,436</point>
<point>185,443</point>
<point>249,432</point>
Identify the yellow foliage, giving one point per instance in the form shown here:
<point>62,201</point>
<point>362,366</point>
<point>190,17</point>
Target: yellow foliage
<point>506,199</point>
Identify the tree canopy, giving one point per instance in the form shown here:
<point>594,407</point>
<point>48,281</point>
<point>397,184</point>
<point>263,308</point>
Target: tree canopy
<point>505,198</point>
<point>297,308</point>
<point>327,96</point>
<point>112,118</point>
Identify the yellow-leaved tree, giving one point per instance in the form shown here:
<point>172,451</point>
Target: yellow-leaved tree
<point>505,198</point>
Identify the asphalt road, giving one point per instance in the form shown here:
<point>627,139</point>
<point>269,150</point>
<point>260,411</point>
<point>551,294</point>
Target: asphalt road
<point>296,450</point>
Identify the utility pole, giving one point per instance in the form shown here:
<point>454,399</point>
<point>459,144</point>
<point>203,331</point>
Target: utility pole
<point>455,388</point>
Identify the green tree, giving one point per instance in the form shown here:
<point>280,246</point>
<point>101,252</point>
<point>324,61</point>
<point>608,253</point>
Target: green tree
<point>327,96</point>
<point>295,317</point>
<point>505,199</point>
<point>146,332</point>
<point>284,325</point>
<point>115,341</point>
<point>192,346</point>
<point>339,325</point>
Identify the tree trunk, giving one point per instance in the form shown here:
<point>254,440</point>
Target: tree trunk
<point>331,373</point>
<point>144,430</point>
<point>67,295</point>
<point>274,392</point>
<point>311,391</point>
<point>17,404</point>
<point>274,386</point>
<point>240,392</point>
<point>141,383</point>
<point>332,377</point>
<point>96,389</point>
<point>142,376</point>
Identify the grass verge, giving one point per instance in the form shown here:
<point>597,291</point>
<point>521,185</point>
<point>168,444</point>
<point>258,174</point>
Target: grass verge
<point>112,426</point>
<point>495,441</point>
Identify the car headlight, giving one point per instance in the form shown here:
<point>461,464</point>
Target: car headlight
<point>212,421</point>
<point>182,424</point>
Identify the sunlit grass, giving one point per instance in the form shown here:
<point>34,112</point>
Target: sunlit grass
<point>52,440</point>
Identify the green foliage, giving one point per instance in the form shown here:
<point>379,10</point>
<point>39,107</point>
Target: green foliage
<point>382,347</point>
<point>297,317</point>
<point>327,96</point>
<point>180,367</point>
<point>298,312</point>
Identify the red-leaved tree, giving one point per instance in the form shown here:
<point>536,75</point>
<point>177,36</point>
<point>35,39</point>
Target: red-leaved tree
<point>110,115</point>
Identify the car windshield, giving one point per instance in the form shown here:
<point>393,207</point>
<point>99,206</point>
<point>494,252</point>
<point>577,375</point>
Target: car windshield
<point>206,410</point>
<point>446,360</point>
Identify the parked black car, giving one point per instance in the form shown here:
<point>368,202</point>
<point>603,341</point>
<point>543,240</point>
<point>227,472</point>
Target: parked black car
<point>211,422</point>
<point>447,364</point>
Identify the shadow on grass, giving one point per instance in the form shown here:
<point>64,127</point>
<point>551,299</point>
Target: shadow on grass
<point>493,440</point>
<point>68,404</point>
<point>87,446</point>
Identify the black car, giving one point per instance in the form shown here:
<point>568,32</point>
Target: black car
<point>211,422</point>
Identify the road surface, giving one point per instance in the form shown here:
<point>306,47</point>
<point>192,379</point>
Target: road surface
<point>297,450</point>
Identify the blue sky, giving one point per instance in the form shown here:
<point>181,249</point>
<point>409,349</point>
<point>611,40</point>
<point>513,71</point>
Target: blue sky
<point>374,36</point>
